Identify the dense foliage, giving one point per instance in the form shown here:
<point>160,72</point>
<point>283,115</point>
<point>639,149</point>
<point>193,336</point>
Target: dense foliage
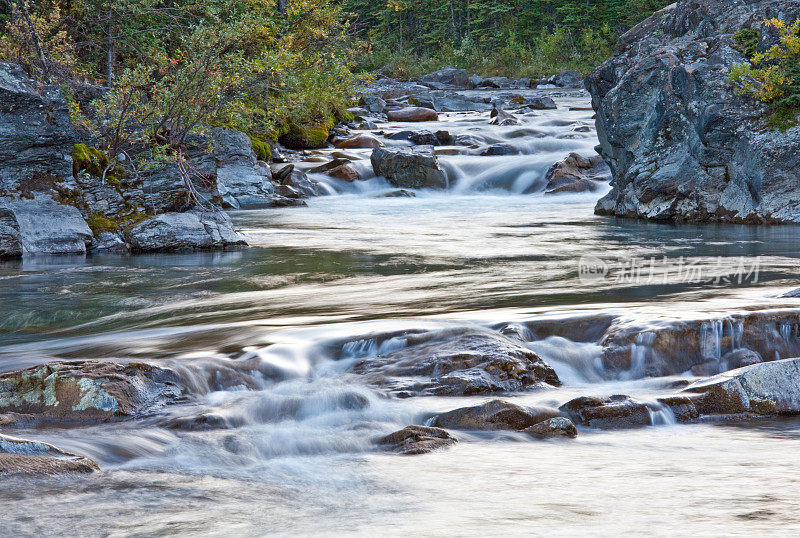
<point>174,67</point>
<point>504,37</point>
<point>772,76</point>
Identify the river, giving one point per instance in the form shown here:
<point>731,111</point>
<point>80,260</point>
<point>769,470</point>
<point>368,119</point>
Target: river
<point>335,282</point>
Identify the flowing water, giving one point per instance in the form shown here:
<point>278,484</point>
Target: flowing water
<point>341,280</point>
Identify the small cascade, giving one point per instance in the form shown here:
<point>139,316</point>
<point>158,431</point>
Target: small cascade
<point>711,333</point>
<point>660,414</point>
<point>640,351</point>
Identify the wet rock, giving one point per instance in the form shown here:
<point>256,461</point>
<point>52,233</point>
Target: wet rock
<point>493,415</point>
<point>344,172</point>
<point>398,193</point>
<point>553,427</point>
<point>199,422</point>
<point>475,81</point>
<point>503,118</point>
<point>500,149</point>
<point>242,181</point>
<point>36,135</point>
<point>361,140</point>
<point>447,77</point>
<point>767,388</point>
<point>423,138</point>
<point>41,226</point>
<point>576,174</point>
<point>109,243</point>
<point>682,144</point>
<point>467,140</point>
<point>411,168</point>
<point>193,230</point>
<point>567,79</point>
<point>424,102</point>
<point>20,456</point>
<point>87,391</point>
<point>539,103</point>
<point>289,176</point>
<point>613,412</point>
<point>412,114</point>
<point>327,166</point>
<point>413,440</point>
<point>458,363</point>
<point>500,83</point>
<point>444,137</point>
<point>372,103</point>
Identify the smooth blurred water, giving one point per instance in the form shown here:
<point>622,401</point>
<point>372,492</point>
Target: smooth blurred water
<point>298,457</point>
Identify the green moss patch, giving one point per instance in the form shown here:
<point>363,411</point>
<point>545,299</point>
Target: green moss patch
<point>304,137</point>
<point>261,148</point>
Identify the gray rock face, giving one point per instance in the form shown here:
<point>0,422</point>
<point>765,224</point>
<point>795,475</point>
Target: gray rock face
<point>41,226</point>
<point>576,174</point>
<point>410,168</point>
<point>36,136</point>
<point>447,77</point>
<point>193,230</point>
<point>682,145</point>
<point>567,79</point>
<point>21,456</point>
<point>553,427</point>
<point>458,363</point>
<point>414,440</point>
<point>242,181</point>
<point>493,415</point>
<point>767,388</point>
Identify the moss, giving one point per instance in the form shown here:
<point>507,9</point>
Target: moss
<point>343,115</point>
<point>100,223</point>
<point>783,119</point>
<point>304,137</point>
<point>261,148</point>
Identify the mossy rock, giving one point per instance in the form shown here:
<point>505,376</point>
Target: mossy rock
<point>94,162</point>
<point>343,115</point>
<point>261,148</point>
<point>304,137</point>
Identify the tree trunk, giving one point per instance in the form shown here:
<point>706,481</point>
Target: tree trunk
<point>37,43</point>
<point>110,55</point>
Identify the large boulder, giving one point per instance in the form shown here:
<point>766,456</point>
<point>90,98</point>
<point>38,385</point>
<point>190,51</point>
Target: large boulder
<point>21,456</point>
<point>242,181</point>
<point>412,114</point>
<point>768,388</point>
<point>682,144</point>
<point>447,77</point>
<point>41,226</point>
<point>360,140</point>
<point>413,440</point>
<point>36,135</point>
<point>576,174</point>
<point>493,415</point>
<point>192,230</point>
<point>458,363</point>
<point>87,391</point>
<point>411,168</point>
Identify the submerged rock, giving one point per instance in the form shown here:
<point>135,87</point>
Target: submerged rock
<point>503,118</point>
<point>193,230</point>
<point>458,363</point>
<point>682,144</point>
<point>20,456</point>
<point>493,415</point>
<point>82,391</point>
<point>411,168</point>
<point>413,440</point>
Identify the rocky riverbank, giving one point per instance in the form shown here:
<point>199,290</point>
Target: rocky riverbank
<point>683,145</point>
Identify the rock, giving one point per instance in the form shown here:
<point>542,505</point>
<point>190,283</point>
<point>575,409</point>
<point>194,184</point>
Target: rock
<point>20,456</point>
<point>467,140</point>
<point>412,114</point>
<point>682,144</point>
<point>493,415</point>
<point>361,140</point>
<point>36,135</point>
<point>397,193</point>
<point>447,77</point>
<point>567,79</point>
<point>87,391</point>
<point>304,137</point>
<point>372,103</point>
<point>500,83</point>
<point>412,168</point>
<point>41,226</point>
<point>553,427</point>
<point>193,230</point>
<point>344,172</point>
<point>613,412</point>
<point>767,388</point>
<point>108,242</point>
<point>576,174</point>
<point>455,102</point>
<point>459,363</point>
<point>475,81</point>
<point>444,137</point>
<point>503,118</point>
<point>242,181</point>
<point>539,103</point>
<point>289,176</point>
<point>327,166</point>
<point>500,149</point>
<point>423,138</point>
<point>413,440</point>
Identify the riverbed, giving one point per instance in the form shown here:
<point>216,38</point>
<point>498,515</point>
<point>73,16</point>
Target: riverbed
<point>323,286</point>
